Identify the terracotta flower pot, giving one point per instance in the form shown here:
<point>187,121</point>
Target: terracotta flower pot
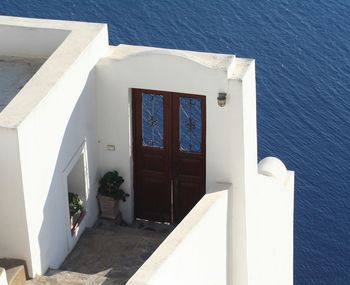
<point>109,207</point>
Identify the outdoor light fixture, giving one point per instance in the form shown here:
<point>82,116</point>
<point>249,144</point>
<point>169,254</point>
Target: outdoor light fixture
<point>222,99</point>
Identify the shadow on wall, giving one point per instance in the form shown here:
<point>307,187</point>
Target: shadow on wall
<point>55,239</point>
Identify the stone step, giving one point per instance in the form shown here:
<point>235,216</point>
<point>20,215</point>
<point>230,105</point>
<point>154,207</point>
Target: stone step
<point>61,277</point>
<point>16,270</point>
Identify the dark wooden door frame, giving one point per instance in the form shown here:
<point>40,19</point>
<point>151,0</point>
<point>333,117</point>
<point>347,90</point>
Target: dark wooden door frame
<point>171,141</point>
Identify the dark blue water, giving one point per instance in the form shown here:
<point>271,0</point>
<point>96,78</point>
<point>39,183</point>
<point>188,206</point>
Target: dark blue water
<point>302,50</point>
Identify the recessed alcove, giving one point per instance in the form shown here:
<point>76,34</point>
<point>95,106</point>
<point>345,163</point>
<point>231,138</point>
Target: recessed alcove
<point>76,181</point>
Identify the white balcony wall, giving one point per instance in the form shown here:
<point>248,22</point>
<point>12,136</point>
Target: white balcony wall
<point>51,144</point>
<point>270,223</point>
<point>50,137</point>
<point>3,278</point>
<point>195,252</point>
<point>30,41</point>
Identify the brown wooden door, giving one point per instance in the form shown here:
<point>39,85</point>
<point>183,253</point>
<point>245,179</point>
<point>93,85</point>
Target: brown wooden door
<point>169,154</point>
<point>188,153</point>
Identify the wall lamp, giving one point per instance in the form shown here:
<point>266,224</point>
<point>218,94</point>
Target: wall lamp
<point>222,99</point>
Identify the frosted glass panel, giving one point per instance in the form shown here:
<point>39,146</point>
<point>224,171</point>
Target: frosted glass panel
<point>190,124</point>
<point>152,120</point>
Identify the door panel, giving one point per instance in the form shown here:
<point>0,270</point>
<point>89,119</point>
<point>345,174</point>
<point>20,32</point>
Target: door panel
<point>169,153</point>
<point>186,196</point>
<point>154,161</point>
<point>155,201</point>
<point>188,152</point>
<point>152,178</point>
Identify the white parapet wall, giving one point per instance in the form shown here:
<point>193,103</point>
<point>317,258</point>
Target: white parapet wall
<point>24,40</point>
<point>42,129</point>
<point>13,222</point>
<point>3,278</point>
<point>269,219</point>
<point>195,252</point>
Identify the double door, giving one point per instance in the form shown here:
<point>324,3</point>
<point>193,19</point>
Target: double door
<point>169,154</point>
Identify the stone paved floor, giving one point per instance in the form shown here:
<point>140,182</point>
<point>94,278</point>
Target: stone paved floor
<point>115,252</point>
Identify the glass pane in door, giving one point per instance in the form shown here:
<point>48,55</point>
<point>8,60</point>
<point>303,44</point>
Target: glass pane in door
<point>152,120</point>
<point>190,124</point>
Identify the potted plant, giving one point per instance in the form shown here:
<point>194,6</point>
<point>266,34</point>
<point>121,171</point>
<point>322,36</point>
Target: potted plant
<point>75,208</point>
<point>109,194</point>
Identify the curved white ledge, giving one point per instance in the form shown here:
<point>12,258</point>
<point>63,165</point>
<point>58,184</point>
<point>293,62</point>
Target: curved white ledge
<point>273,167</point>
<point>209,60</point>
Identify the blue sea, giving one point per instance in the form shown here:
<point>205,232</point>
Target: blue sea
<point>302,52</point>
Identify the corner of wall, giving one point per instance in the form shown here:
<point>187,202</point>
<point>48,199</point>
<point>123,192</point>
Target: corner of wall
<point>14,235</point>
<point>270,205</point>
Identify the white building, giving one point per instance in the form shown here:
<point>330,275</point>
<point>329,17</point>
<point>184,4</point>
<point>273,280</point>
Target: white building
<point>71,104</point>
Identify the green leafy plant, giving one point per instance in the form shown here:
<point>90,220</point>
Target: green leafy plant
<point>109,186</point>
<point>75,203</point>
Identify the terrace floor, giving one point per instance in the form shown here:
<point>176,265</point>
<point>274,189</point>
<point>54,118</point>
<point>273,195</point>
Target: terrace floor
<point>15,72</point>
<point>108,254</point>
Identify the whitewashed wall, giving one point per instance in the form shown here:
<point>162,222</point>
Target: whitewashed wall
<point>38,42</point>
<point>244,170</point>
<point>51,136</point>
<point>158,70</point>
<point>195,252</point>
<point>14,239</point>
<point>3,278</point>
<point>270,215</point>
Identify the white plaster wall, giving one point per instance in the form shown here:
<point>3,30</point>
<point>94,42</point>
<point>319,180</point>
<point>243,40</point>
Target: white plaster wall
<point>81,40</point>
<point>30,41</point>
<point>244,169</point>
<point>270,231</point>
<point>3,278</point>
<point>236,224</point>
<point>14,240</point>
<point>195,252</point>
<point>263,213</point>
<point>50,137</point>
<point>166,72</point>
<point>260,223</point>
<point>52,144</point>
